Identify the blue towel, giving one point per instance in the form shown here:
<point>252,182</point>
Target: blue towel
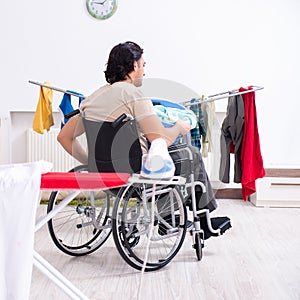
<point>67,107</point>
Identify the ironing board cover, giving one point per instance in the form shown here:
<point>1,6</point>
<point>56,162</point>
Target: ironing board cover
<point>76,180</point>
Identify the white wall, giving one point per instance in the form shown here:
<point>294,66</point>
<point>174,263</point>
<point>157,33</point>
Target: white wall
<point>207,46</point>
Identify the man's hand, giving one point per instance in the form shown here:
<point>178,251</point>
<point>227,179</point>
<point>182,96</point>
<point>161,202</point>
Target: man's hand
<point>184,127</point>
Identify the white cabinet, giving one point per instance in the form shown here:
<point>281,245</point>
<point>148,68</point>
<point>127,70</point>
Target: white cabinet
<point>280,188</point>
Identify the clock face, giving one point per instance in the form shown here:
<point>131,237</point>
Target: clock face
<point>101,9</point>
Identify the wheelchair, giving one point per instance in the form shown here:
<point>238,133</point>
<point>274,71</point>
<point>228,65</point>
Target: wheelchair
<point>147,218</point>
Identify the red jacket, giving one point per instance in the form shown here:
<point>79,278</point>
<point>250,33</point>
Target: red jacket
<point>251,159</point>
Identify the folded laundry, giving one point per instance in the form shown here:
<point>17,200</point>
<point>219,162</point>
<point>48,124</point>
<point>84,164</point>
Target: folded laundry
<point>171,115</point>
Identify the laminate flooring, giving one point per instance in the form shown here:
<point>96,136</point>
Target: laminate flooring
<point>258,258</point>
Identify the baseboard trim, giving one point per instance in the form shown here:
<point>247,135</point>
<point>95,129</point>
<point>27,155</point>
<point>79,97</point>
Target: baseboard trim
<point>277,172</point>
<point>228,193</point>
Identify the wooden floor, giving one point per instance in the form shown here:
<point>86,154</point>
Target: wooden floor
<point>258,258</point>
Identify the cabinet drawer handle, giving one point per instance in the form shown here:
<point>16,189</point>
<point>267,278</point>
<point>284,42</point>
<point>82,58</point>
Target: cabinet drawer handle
<point>285,184</point>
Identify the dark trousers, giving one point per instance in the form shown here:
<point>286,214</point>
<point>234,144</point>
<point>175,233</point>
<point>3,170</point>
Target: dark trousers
<point>184,168</point>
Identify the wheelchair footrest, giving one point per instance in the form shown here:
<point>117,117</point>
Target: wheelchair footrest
<point>222,223</point>
<point>162,228</point>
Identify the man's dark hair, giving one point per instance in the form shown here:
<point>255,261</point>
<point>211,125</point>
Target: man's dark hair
<point>121,61</point>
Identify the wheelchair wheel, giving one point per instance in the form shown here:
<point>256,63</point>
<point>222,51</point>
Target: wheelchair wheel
<point>131,224</point>
<point>84,224</point>
<point>198,246</point>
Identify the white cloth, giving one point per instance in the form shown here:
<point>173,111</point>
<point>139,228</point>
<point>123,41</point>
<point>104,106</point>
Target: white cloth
<point>209,114</point>
<point>19,197</point>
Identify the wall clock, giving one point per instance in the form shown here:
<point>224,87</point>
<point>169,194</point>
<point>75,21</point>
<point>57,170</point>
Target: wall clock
<point>101,9</point>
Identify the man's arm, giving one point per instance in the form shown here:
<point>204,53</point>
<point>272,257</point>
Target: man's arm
<point>67,138</point>
<point>152,127</point>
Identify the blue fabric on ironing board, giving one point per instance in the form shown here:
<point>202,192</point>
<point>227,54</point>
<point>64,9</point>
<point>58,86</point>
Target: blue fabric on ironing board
<point>67,107</point>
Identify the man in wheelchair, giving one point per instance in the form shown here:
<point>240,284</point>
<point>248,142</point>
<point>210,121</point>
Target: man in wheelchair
<point>124,75</point>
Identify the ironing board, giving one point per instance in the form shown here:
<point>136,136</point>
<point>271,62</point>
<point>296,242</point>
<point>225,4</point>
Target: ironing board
<point>76,182</point>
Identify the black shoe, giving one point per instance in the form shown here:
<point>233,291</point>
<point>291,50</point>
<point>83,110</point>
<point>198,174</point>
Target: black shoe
<point>222,223</point>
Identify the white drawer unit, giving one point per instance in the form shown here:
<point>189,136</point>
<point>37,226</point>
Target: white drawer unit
<point>280,188</point>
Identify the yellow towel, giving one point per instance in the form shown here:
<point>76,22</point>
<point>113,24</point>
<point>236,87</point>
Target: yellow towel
<point>43,118</point>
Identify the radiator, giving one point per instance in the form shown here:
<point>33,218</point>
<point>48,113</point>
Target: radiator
<point>45,147</point>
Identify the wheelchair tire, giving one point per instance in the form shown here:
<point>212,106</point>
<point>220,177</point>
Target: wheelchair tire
<point>198,246</point>
<point>78,228</point>
<point>131,225</point>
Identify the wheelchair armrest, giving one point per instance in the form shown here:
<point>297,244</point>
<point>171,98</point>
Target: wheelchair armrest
<point>177,147</point>
<point>181,147</point>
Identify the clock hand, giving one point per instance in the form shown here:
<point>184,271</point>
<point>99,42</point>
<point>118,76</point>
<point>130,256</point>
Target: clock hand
<point>99,2</point>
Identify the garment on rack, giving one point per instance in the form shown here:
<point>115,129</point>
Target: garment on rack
<point>209,110</point>
<point>251,159</point>
<point>43,118</point>
<point>232,132</point>
<point>66,106</point>
<point>199,132</point>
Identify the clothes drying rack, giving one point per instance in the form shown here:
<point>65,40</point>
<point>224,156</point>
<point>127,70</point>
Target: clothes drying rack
<point>231,93</point>
<point>56,89</point>
<point>202,99</point>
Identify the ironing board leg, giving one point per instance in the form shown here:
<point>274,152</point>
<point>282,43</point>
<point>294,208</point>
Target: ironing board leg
<point>55,276</point>
<point>56,210</point>
<point>45,267</point>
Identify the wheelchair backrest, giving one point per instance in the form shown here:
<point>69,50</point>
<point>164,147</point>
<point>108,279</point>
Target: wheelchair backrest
<point>113,147</point>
